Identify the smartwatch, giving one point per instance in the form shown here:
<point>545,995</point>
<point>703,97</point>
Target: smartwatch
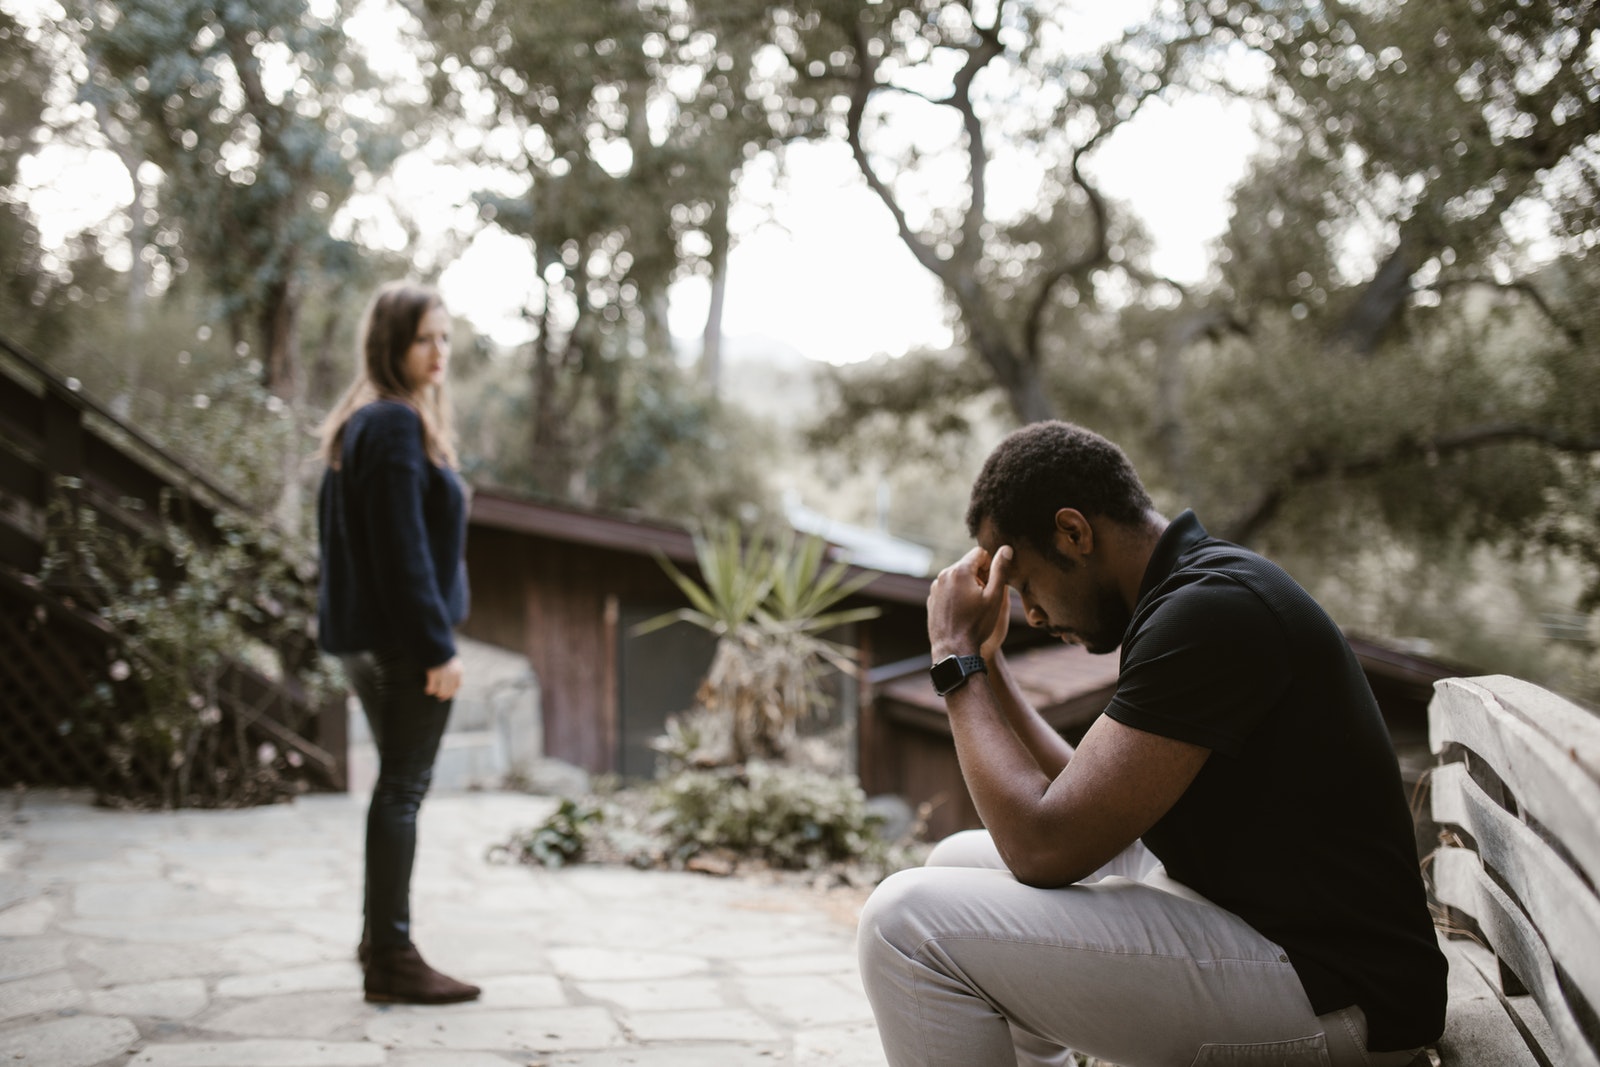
<point>952,672</point>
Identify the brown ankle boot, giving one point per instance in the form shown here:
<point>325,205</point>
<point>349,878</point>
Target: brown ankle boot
<point>399,976</point>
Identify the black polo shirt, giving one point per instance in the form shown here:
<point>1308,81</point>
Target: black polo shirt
<point>1298,822</point>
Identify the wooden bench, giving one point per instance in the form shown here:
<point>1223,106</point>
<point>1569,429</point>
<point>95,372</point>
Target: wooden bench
<point>1517,797</point>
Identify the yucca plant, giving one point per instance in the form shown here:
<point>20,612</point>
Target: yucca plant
<point>768,602</point>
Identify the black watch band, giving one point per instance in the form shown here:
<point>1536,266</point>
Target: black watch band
<point>952,672</point>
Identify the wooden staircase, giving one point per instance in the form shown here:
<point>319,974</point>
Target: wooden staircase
<point>62,454</point>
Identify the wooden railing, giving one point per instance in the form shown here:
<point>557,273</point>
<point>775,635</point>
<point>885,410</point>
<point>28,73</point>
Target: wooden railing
<point>63,454</point>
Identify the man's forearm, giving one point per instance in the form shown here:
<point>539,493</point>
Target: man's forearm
<point>1049,749</point>
<point>1002,775</point>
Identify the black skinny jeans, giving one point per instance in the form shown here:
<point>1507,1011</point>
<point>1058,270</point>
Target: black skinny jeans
<point>407,725</point>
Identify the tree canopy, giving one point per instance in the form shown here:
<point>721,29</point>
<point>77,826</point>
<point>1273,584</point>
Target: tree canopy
<point>1393,349</point>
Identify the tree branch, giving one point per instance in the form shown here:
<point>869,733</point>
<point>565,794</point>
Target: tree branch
<point>1319,466</point>
<point>1097,254</point>
<point>977,155</point>
<point>1572,333</point>
<point>860,93</point>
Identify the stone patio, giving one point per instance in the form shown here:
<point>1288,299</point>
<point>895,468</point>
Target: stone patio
<point>225,939</point>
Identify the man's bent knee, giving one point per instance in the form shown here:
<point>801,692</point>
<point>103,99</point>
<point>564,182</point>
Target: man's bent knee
<point>966,848</point>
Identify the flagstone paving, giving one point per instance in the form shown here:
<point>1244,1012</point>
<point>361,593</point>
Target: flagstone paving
<point>225,939</point>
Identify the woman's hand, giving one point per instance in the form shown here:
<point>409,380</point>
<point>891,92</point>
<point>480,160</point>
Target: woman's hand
<point>444,680</point>
<point>969,605</point>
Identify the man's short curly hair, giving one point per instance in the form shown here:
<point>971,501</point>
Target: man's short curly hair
<point>1046,466</point>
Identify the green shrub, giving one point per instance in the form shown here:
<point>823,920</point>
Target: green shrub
<point>791,818</point>
<point>184,613</point>
<point>559,840</point>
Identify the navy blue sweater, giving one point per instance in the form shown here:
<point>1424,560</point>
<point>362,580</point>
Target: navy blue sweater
<point>392,527</point>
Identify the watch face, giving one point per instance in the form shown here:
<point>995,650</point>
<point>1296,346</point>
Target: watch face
<point>946,675</point>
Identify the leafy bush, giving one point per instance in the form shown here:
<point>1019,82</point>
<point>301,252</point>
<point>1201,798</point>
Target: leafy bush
<point>788,817</point>
<point>561,839</point>
<point>185,617</point>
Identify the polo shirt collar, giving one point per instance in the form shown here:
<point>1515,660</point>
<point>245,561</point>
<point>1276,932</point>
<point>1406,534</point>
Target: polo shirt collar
<point>1181,534</point>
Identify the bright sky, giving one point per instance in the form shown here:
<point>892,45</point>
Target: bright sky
<point>816,264</point>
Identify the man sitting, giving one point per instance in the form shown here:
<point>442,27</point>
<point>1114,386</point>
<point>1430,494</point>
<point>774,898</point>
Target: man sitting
<point>1224,870</point>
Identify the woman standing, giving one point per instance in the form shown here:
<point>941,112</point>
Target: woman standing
<point>391,518</point>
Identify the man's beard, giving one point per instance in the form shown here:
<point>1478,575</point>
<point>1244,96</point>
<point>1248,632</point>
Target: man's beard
<point>1111,622</point>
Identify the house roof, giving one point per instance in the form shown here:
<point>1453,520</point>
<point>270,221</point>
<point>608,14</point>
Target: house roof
<point>1413,672</point>
<point>1066,683</point>
<point>499,510</point>
<point>872,549</point>
<point>1070,686</point>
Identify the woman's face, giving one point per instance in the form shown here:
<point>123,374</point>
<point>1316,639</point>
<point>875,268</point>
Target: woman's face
<point>428,358</point>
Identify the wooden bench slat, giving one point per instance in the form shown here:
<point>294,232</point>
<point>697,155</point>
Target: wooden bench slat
<point>1556,899</point>
<point>1460,881</point>
<point>1569,727</point>
<point>1548,780</point>
<point>1478,1029</point>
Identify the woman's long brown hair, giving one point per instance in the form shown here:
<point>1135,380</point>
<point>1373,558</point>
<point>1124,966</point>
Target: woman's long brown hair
<point>387,330</point>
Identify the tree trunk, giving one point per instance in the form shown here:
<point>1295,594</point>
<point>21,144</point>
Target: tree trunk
<point>1379,306</point>
<point>138,231</point>
<point>280,341</point>
<point>323,377</point>
<point>711,342</point>
<point>1015,374</point>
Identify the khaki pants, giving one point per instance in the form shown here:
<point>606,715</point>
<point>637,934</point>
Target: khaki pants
<point>967,967</point>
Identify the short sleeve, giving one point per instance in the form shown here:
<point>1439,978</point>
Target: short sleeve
<point>1204,665</point>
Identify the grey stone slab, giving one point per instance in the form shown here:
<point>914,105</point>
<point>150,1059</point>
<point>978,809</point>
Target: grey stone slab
<point>277,894</point>
<point>841,961</point>
<point>204,854</point>
<point>174,998</point>
<point>262,1053</point>
<point>526,898</point>
<point>485,1030</point>
<point>597,964</point>
<point>129,900</point>
<point>727,1024</point>
<point>170,930</point>
<point>26,956</point>
<point>522,991</point>
<point>50,870</point>
<point>676,994</point>
<point>87,858</point>
<point>743,1054</point>
<point>321,1015</point>
<point>453,1059</point>
<point>124,964</point>
<point>103,830</point>
<point>849,1046</point>
<point>339,925</point>
<point>10,854</point>
<point>17,887</point>
<point>619,884</point>
<point>804,1001</point>
<point>482,954</point>
<point>317,976</point>
<point>76,1042</point>
<point>275,950</point>
<point>42,993</point>
<point>27,917</point>
<point>662,931</point>
<point>753,941</point>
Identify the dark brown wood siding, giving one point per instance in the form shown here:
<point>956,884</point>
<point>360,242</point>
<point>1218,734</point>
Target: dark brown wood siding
<point>560,604</point>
